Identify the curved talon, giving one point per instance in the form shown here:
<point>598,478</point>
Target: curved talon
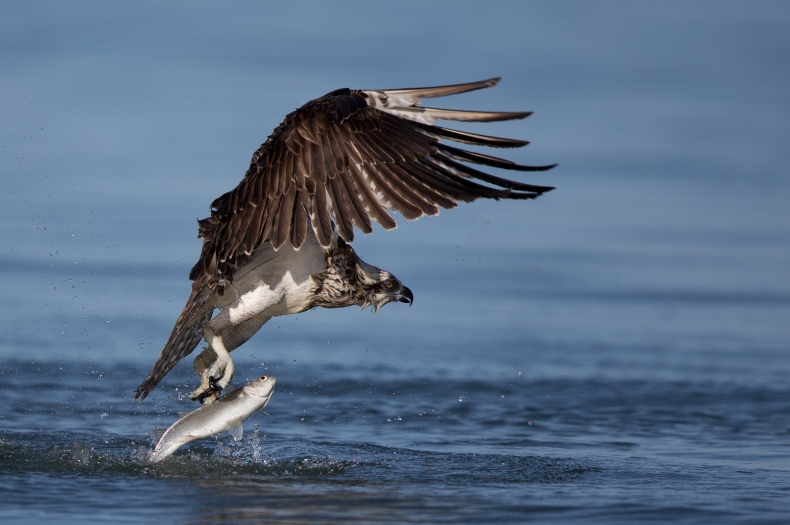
<point>221,373</point>
<point>209,397</point>
<point>207,392</point>
<point>204,390</point>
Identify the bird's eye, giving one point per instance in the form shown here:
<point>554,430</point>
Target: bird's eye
<point>388,284</point>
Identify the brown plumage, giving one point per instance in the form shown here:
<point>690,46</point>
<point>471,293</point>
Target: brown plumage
<point>348,157</point>
<point>339,162</point>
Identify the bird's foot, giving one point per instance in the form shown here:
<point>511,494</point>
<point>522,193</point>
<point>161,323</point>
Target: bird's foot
<point>207,392</point>
<point>213,380</point>
<point>221,372</point>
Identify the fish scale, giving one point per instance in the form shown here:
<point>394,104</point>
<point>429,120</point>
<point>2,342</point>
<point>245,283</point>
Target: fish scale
<point>226,413</point>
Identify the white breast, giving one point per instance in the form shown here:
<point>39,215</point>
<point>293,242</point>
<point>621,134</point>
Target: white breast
<point>273,282</point>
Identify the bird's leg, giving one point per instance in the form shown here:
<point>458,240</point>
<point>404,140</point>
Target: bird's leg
<point>215,367</point>
<point>203,361</point>
<point>221,371</point>
<point>204,393</point>
<point>209,363</point>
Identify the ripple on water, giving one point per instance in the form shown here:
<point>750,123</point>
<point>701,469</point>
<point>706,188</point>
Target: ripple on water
<point>255,459</point>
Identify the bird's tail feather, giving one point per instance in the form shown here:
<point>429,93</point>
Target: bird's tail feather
<point>185,336</point>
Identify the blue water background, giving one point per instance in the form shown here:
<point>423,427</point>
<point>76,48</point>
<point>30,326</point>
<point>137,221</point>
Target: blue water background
<point>614,351</point>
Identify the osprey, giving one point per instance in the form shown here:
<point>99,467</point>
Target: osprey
<point>278,243</point>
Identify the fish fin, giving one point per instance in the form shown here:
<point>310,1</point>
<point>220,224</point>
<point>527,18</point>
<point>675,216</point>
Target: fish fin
<point>157,433</point>
<point>236,431</point>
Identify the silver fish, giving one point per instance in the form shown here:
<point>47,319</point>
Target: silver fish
<point>226,413</point>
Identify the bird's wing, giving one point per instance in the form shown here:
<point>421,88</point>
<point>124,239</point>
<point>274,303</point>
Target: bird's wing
<point>185,336</point>
<point>353,157</point>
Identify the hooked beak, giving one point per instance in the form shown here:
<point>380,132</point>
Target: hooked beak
<point>405,296</point>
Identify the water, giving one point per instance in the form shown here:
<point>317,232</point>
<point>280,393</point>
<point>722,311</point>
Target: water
<point>614,352</point>
<point>372,445</point>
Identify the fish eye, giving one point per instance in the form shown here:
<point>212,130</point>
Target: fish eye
<point>263,378</point>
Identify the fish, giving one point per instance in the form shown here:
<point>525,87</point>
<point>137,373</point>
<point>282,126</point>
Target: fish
<point>226,413</point>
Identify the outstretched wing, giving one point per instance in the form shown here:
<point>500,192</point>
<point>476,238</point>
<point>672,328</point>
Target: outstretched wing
<point>353,157</point>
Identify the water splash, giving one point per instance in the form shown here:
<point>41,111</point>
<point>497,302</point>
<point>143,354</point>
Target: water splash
<point>77,453</point>
<point>256,446</point>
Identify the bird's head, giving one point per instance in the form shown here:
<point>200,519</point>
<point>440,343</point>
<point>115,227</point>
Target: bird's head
<point>380,287</point>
